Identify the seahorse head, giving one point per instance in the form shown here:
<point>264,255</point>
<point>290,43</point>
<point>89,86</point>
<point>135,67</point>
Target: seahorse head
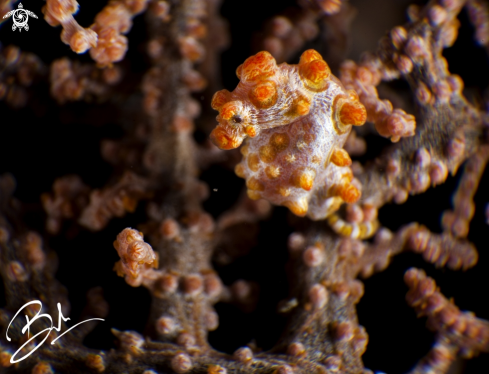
<point>269,95</point>
<point>261,100</point>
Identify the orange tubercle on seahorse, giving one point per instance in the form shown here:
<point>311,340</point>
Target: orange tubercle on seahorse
<point>258,67</point>
<point>219,99</point>
<point>353,113</point>
<point>224,139</point>
<point>263,95</point>
<point>294,120</point>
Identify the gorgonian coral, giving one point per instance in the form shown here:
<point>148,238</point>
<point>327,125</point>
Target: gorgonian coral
<point>125,142</point>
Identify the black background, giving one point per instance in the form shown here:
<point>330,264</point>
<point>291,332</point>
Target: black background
<point>44,141</point>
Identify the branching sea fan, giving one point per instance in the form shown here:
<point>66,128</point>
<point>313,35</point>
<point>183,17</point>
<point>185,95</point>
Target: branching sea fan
<point>118,181</point>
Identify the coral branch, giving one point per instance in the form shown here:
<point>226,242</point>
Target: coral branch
<point>389,122</point>
<point>18,71</point>
<point>444,136</point>
<point>440,249</point>
<point>457,221</point>
<point>104,38</point>
<point>286,34</point>
<point>69,197</point>
<point>479,15</point>
<point>469,334</point>
<point>60,12</point>
<point>115,200</point>
<point>137,258</point>
<point>209,240</point>
<point>71,81</point>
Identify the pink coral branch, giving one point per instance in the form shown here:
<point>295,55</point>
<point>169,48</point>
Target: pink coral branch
<point>468,333</point>
<point>104,38</point>
<point>457,221</point>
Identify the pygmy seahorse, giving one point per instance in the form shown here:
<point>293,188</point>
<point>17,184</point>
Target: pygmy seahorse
<point>295,119</point>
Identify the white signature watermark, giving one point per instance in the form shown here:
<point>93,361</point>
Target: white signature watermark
<point>48,329</point>
<point>20,16</point>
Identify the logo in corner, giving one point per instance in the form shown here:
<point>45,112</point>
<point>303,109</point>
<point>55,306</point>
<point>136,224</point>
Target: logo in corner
<point>20,16</point>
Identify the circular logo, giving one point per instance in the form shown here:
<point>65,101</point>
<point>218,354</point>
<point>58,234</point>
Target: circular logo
<point>20,17</point>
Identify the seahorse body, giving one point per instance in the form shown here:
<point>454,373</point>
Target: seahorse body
<point>296,119</point>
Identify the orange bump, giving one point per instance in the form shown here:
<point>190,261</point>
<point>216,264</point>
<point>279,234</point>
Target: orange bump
<point>298,207</point>
<point>222,139</point>
<point>272,171</point>
<point>245,150</point>
<point>267,153</point>
<point>310,55</point>
<point>216,369</point>
<point>254,184</point>
<point>283,191</point>
<point>303,178</point>
<point>340,157</point>
<point>258,67</point>
<point>229,110</point>
<point>315,74</point>
<point>250,131</point>
<point>301,145</point>
<point>347,175</point>
<point>290,158</point>
<point>364,229</point>
<point>348,192</point>
<point>279,141</point>
<point>346,230</point>
<point>352,113</point>
<point>254,195</point>
<point>334,205</point>
<point>253,162</point>
<point>239,170</point>
<point>307,179</point>
<point>238,71</point>
<point>263,95</point>
<point>220,98</point>
<point>301,107</point>
<point>315,159</point>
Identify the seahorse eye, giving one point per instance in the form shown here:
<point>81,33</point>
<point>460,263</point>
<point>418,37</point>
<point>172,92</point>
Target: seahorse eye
<point>237,119</point>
